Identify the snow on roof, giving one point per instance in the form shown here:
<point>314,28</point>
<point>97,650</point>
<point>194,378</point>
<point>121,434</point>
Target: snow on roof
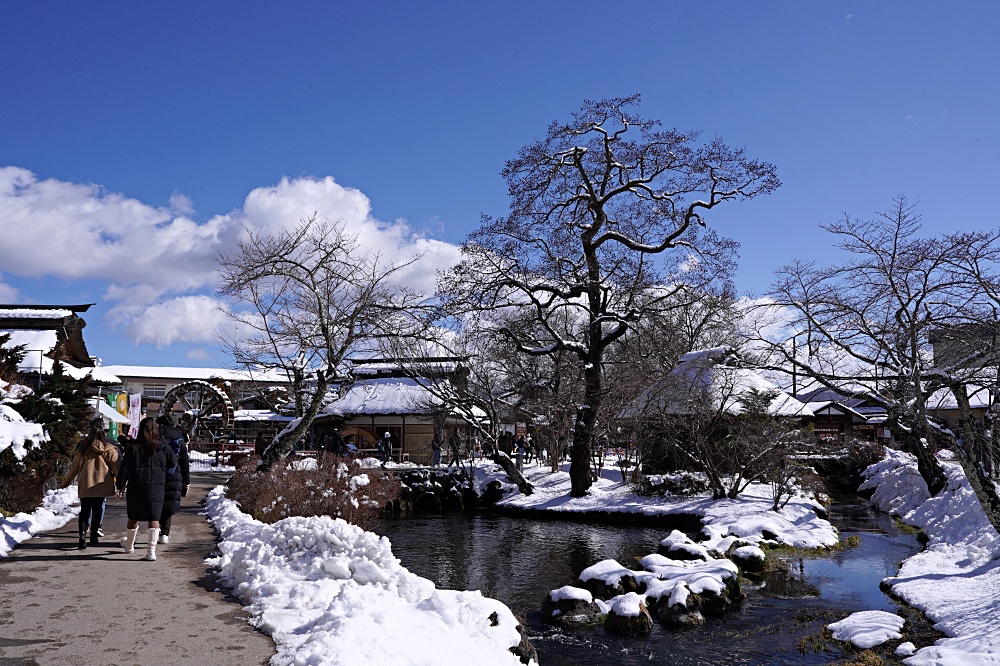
<point>38,343</point>
<point>259,415</point>
<point>34,313</point>
<point>704,372</point>
<point>979,398</point>
<point>169,372</point>
<point>386,395</point>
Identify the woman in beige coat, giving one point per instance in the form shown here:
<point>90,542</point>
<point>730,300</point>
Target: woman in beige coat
<point>95,461</point>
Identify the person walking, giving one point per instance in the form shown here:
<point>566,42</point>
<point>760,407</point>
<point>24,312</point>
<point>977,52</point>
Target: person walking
<point>143,477</point>
<point>179,478</point>
<point>385,448</point>
<point>95,462</point>
<point>436,450</point>
<point>519,453</point>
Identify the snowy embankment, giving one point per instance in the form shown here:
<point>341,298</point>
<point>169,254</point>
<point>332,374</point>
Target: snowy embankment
<point>331,593</point>
<point>956,579</point>
<point>748,517</point>
<point>56,510</point>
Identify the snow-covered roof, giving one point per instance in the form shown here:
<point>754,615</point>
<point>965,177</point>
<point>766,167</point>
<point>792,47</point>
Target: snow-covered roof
<point>259,415</point>
<point>170,372</point>
<point>979,398</point>
<point>384,395</point>
<point>704,373</point>
<point>39,342</point>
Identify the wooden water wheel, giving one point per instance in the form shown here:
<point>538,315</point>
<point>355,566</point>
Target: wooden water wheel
<point>208,404</point>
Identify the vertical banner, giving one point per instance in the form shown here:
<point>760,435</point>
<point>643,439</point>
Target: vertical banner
<point>113,428</point>
<point>134,412</point>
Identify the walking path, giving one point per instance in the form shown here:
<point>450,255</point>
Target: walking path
<point>61,605</point>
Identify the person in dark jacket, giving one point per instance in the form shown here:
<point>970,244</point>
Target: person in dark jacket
<point>179,478</point>
<point>143,475</point>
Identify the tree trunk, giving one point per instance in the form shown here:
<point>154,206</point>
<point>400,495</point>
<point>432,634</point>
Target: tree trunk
<point>976,457</point>
<point>286,441</point>
<point>583,432</point>
<point>502,459</point>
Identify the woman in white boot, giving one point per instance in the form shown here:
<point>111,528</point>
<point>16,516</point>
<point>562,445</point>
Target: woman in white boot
<point>143,475</point>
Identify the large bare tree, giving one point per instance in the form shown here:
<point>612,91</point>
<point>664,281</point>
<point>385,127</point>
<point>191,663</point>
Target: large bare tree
<point>607,223</point>
<point>307,298</point>
<point>874,321</point>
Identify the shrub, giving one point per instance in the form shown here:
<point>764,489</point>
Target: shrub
<point>331,487</point>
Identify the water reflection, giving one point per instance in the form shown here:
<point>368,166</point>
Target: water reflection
<point>518,561</point>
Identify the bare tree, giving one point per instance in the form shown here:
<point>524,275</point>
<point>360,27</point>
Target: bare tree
<point>307,298</point>
<point>873,320</point>
<point>606,224</point>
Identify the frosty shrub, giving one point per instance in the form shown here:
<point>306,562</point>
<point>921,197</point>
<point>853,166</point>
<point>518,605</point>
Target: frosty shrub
<point>679,484</point>
<point>332,487</point>
<point>864,454</point>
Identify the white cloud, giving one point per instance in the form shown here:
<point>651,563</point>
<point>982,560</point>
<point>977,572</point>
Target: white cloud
<point>183,319</point>
<point>158,263</point>
<point>8,293</point>
<point>198,354</point>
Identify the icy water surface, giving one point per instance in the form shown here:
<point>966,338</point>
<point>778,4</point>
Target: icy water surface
<point>518,561</point>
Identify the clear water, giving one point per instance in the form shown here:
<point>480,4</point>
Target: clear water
<point>518,561</point>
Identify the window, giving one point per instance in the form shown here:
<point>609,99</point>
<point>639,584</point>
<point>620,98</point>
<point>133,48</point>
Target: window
<point>154,391</point>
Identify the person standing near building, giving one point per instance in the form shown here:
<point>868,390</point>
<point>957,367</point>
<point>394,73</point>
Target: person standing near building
<point>144,475</point>
<point>385,448</point>
<point>179,478</point>
<point>519,448</point>
<point>436,450</point>
<point>95,462</point>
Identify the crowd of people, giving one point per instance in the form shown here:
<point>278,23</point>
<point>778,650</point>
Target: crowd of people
<point>152,471</point>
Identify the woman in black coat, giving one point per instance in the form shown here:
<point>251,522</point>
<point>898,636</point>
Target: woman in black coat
<point>143,475</point>
<point>179,478</point>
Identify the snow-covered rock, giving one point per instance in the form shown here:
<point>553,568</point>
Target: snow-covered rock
<point>867,629</point>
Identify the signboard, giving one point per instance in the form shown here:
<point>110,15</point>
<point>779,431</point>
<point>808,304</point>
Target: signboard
<point>113,428</point>
<point>134,412</point>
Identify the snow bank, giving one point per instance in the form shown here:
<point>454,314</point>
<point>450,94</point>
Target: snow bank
<point>748,517</point>
<point>331,593</point>
<point>868,628</point>
<point>956,579</point>
<point>57,509</point>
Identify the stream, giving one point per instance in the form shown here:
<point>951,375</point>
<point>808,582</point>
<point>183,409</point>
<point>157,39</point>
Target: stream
<point>518,561</point>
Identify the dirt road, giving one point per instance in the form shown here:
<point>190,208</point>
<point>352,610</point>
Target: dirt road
<point>61,605</point>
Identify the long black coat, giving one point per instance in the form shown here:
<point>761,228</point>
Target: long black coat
<point>180,476</point>
<point>144,481</point>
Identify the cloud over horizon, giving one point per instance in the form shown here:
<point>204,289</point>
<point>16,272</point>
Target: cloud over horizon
<point>158,265</point>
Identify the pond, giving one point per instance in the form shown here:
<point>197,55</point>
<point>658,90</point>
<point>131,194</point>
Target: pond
<point>519,560</point>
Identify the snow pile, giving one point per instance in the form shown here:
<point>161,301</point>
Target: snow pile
<point>868,628</point>
<point>664,577</point>
<point>627,605</point>
<point>571,593</point>
<point>57,509</point>
<point>956,579</point>
<point>330,593</point>
<point>17,434</point>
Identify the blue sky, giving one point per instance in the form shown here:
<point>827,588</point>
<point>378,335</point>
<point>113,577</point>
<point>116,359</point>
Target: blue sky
<point>135,137</point>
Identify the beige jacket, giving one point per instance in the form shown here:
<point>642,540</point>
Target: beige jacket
<point>96,469</point>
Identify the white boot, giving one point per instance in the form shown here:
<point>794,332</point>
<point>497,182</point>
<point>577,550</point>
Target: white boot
<point>154,533</point>
<point>164,538</point>
<point>128,542</point>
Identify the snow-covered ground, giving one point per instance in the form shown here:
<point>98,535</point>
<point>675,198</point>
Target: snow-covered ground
<point>955,580</point>
<point>331,593</point>
<point>58,508</point>
<point>748,516</point>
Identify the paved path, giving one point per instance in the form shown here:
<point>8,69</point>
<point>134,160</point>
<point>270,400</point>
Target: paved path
<point>61,605</point>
